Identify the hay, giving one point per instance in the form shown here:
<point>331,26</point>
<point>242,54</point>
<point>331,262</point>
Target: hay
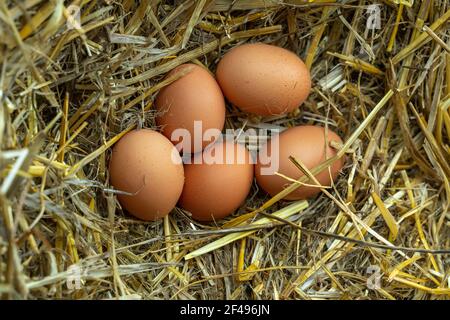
<point>68,94</point>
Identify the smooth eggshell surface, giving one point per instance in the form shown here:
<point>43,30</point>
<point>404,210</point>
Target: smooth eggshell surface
<point>215,190</point>
<point>263,79</point>
<point>196,96</point>
<point>304,143</point>
<point>147,165</point>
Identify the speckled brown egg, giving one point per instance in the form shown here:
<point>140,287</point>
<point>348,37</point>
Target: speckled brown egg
<point>147,166</point>
<point>263,79</point>
<point>217,181</point>
<point>194,103</point>
<point>305,143</point>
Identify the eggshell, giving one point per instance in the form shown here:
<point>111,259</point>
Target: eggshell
<point>215,190</point>
<point>263,79</point>
<point>196,96</point>
<point>147,165</point>
<point>305,143</point>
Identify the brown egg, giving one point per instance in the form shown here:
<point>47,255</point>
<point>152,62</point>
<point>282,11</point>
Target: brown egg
<point>263,79</point>
<point>192,105</point>
<point>147,165</point>
<point>304,143</point>
<point>218,181</point>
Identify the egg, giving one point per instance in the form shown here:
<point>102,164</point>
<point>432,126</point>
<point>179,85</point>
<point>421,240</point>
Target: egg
<point>191,110</point>
<point>263,79</point>
<point>218,181</point>
<point>304,143</point>
<point>147,166</point>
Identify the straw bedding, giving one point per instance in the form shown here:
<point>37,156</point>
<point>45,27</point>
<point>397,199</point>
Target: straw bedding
<point>68,94</point>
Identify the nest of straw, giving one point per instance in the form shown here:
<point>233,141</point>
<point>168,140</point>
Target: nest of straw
<point>67,94</point>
